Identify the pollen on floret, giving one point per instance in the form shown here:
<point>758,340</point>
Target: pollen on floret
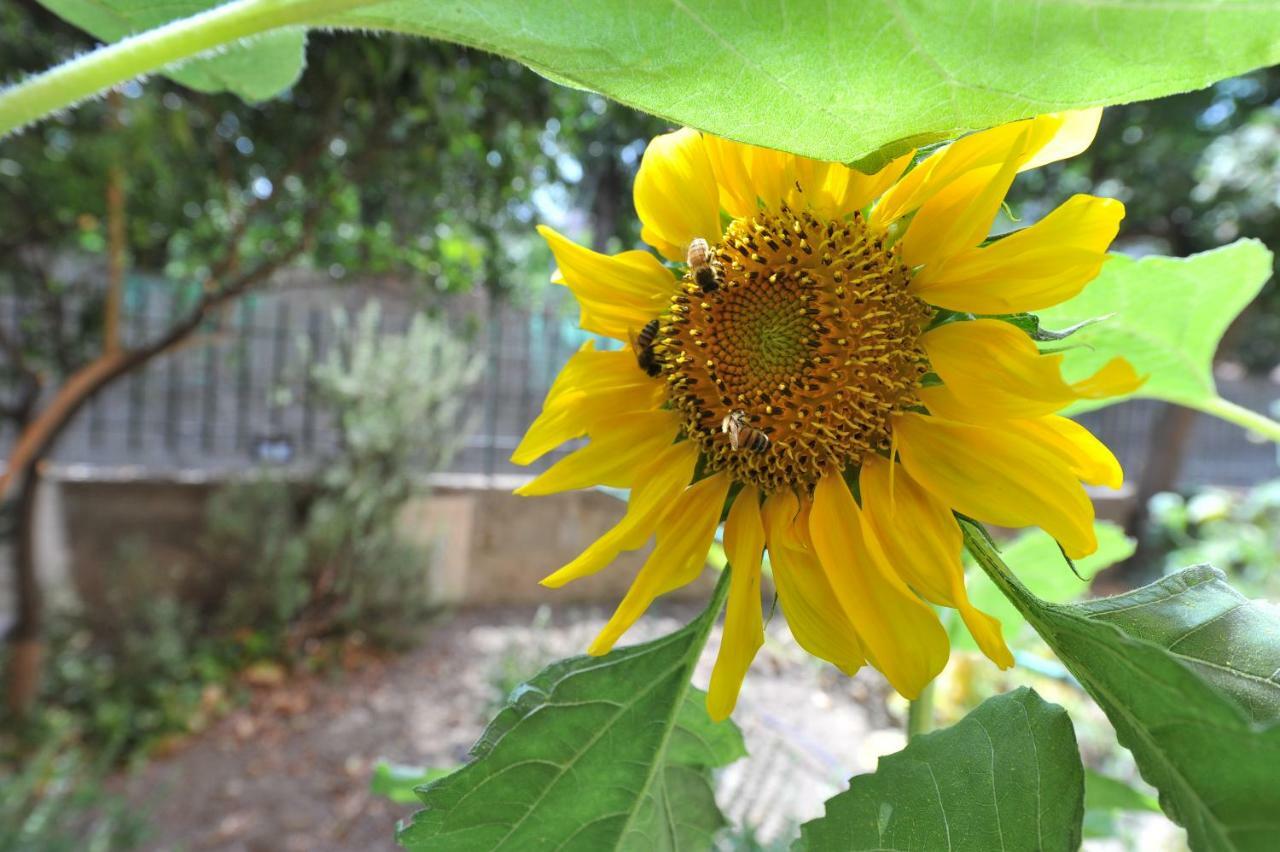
<point>811,338</point>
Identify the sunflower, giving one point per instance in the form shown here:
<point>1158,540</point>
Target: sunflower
<point>839,368</point>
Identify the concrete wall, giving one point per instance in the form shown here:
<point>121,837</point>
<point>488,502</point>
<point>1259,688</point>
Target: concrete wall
<point>493,547</point>
<point>488,546</point>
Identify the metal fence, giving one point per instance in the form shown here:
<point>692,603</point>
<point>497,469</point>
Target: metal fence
<point>236,395</point>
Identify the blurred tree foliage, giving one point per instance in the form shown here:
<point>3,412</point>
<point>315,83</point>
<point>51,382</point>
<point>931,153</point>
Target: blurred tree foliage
<point>431,159</point>
<point>1195,171</point>
<point>396,162</point>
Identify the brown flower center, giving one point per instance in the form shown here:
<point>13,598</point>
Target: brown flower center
<point>794,359</point>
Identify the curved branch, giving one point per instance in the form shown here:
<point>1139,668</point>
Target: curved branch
<point>40,434</point>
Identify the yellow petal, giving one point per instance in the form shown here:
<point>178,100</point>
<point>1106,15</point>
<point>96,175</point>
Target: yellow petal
<point>658,484</point>
<point>987,149</point>
<point>849,189</point>
<point>592,386</point>
<point>917,535</point>
<point>1073,137</point>
<point>808,603</point>
<point>833,190</point>
<point>992,370</point>
<point>685,534</point>
<point>1030,269</point>
<point>619,446</point>
<point>1002,475</point>
<point>676,195</point>
<point>1114,378</point>
<point>809,182</point>
<point>773,175</point>
<point>959,216</point>
<point>1088,458</point>
<point>749,176</point>
<point>902,635</point>
<point>730,163</point>
<point>618,293</point>
<point>743,625</point>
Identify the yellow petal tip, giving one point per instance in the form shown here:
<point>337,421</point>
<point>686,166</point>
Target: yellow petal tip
<point>556,579</point>
<point>718,713</point>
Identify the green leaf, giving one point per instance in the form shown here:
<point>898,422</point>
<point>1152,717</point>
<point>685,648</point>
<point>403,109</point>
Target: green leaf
<point>255,70</point>
<point>1106,797</point>
<point>614,752</point>
<point>840,85</point>
<point>850,82</point>
<point>1229,640</point>
<point>398,782</point>
<point>1045,573</point>
<point>1006,776</point>
<point>1104,793</point>
<point>1146,658</point>
<point>1169,316</point>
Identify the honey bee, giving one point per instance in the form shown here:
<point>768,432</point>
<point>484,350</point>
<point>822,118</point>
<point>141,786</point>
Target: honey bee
<point>743,434</point>
<point>643,346</point>
<point>704,267</point>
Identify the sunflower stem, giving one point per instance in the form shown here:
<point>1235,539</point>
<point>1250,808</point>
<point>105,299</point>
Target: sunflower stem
<point>983,550</point>
<point>84,76</point>
<point>920,713</point>
<point>1242,417</point>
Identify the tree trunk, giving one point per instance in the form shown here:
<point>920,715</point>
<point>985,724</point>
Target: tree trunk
<point>26,646</point>
<point>604,205</point>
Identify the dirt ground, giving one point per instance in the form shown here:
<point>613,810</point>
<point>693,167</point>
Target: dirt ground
<point>291,770</point>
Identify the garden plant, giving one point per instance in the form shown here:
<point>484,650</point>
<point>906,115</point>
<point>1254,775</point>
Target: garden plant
<point>834,355</point>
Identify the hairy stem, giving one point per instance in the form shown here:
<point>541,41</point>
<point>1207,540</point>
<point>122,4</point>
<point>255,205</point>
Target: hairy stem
<point>68,84</point>
<point>1242,417</point>
<point>920,713</point>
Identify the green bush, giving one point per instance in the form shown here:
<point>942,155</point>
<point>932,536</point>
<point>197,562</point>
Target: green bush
<point>324,558</point>
<point>252,542</point>
<point>1238,532</point>
<point>136,670</point>
<point>292,564</point>
<point>54,801</point>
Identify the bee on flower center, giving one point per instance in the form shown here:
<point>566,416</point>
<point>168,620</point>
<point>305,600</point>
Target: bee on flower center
<point>703,265</point>
<point>809,329</point>
<point>743,434</point>
<point>642,343</point>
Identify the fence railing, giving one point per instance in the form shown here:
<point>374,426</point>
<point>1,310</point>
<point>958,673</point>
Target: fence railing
<point>236,395</point>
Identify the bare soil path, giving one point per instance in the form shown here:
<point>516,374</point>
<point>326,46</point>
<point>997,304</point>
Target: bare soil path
<point>290,772</point>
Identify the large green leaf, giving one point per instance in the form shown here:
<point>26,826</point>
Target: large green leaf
<point>1166,315</point>
<point>1231,641</point>
<point>836,81</point>
<point>1174,666</point>
<point>1007,776</point>
<point>254,70</point>
<point>591,754</point>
